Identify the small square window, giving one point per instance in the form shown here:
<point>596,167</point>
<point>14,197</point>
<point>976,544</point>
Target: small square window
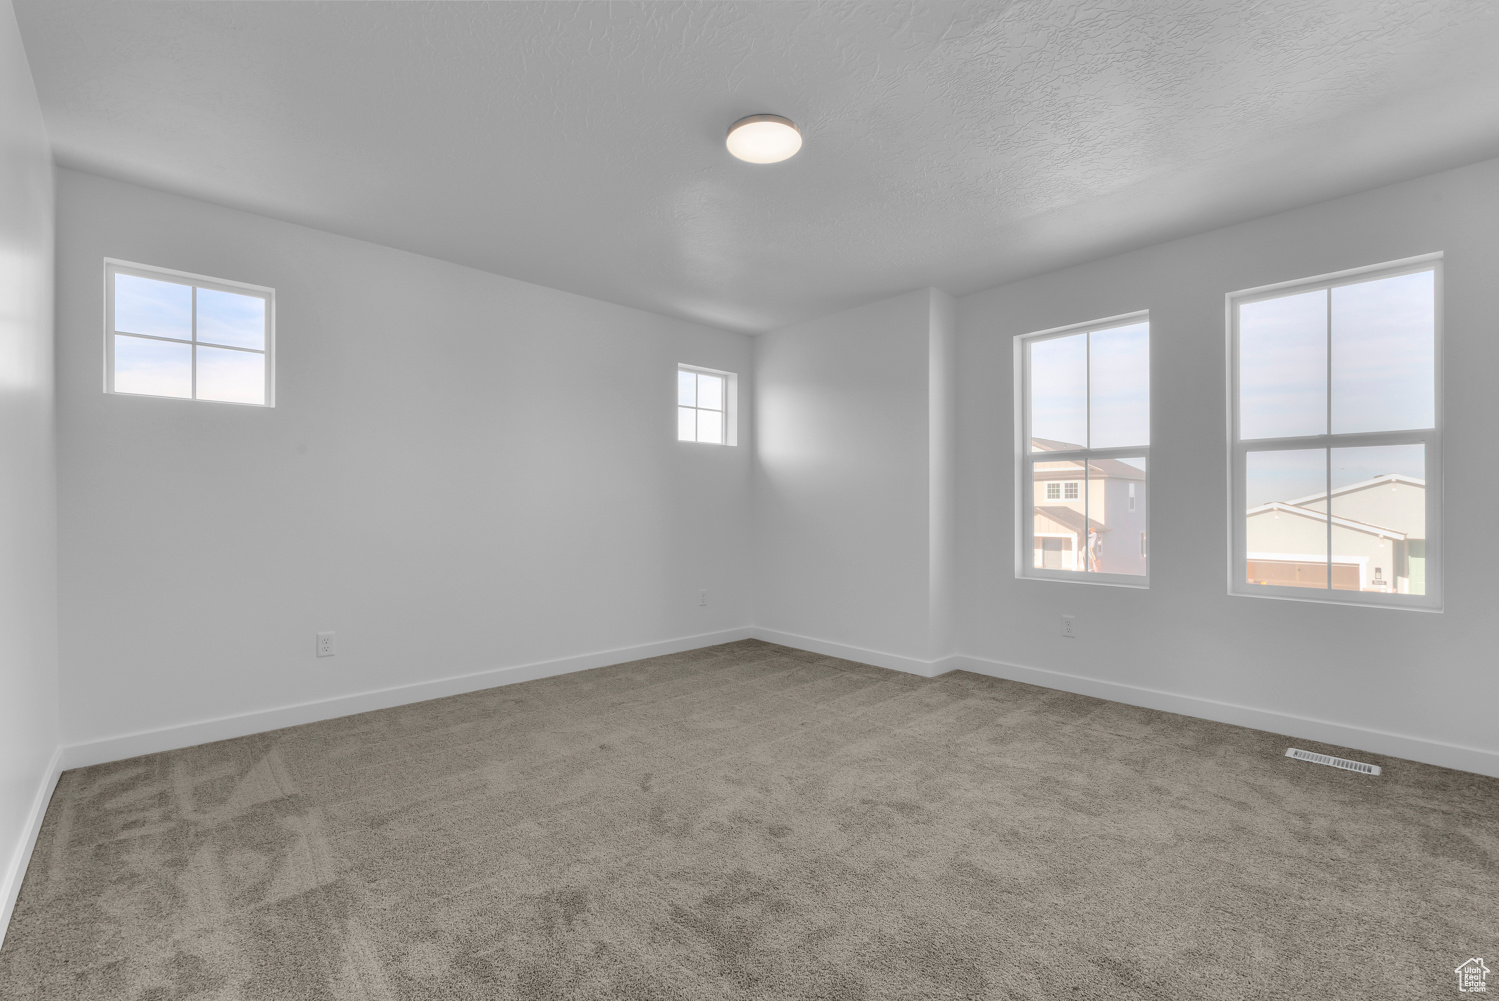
<point>1070,491</point>
<point>173,334</point>
<point>706,405</point>
<point>1054,491</point>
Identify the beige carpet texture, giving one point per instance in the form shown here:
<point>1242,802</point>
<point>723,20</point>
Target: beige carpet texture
<point>751,821</point>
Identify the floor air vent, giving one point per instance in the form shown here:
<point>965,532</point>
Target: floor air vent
<point>1328,759</point>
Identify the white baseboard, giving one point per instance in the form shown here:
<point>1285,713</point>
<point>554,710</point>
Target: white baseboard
<point>15,867</point>
<point>895,662</point>
<point>129,745</point>
<point>1431,752</point>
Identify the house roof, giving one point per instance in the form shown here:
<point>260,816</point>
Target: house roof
<point>1052,445</point>
<point>1362,485</point>
<point>1100,468</point>
<point>1114,468</point>
<point>1306,512</point>
<point>1067,517</point>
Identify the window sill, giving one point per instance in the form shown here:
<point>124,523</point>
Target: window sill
<point>1082,577</point>
<point>1319,596</point>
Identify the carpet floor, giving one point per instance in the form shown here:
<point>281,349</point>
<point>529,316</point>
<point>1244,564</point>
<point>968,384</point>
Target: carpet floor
<point>750,821</point>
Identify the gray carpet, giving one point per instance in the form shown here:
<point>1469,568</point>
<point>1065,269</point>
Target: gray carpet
<point>749,821</point>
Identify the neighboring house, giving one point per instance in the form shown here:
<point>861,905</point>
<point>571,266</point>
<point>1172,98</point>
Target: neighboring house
<point>1104,503</point>
<point>1378,538</point>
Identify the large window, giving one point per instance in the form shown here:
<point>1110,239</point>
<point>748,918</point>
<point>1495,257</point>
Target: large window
<point>707,404</point>
<point>173,334</point>
<point>1335,437</point>
<point>1083,402</point>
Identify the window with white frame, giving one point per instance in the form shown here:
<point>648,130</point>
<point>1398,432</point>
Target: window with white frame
<point>168,333</point>
<point>1083,416</point>
<point>1335,435</point>
<point>706,405</point>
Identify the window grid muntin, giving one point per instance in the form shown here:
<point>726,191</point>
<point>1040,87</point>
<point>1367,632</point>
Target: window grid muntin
<point>1026,458</point>
<point>698,410</point>
<point>726,412</point>
<point>193,282</point>
<point>1238,583</point>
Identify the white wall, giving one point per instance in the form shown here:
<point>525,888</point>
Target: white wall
<point>466,473</point>
<point>853,530</point>
<point>28,537</point>
<point>462,473</point>
<point>1422,685</point>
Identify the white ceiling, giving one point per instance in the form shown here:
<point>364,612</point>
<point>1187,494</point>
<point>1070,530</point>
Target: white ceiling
<point>581,145</point>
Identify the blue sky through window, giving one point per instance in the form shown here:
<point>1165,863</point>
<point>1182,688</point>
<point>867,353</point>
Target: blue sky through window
<point>1383,362</point>
<point>1115,379</point>
<point>1384,354</point>
<point>1119,386</point>
<point>227,318</point>
<point>1283,366</point>
<point>146,306</point>
<point>1059,389</point>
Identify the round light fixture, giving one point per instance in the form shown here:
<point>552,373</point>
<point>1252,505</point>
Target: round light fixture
<point>764,139</point>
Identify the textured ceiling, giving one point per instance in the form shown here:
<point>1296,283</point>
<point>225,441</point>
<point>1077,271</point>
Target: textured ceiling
<point>581,145</point>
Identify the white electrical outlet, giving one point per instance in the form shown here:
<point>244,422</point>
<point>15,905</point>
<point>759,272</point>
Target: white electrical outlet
<point>325,644</point>
<point>1069,626</point>
<point>702,597</point>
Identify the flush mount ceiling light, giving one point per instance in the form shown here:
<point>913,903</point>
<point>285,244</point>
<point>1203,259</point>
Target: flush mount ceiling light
<point>764,139</point>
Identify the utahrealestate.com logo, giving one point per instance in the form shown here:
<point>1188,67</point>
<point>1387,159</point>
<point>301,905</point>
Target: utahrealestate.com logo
<point>1473,977</point>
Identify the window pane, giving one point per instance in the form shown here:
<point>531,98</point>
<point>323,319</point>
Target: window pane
<point>162,309</point>
<point>686,424</point>
<point>710,392</point>
<point>710,426</point>
<point>1379,512</point>
<point>1059,388</point>
<point>686,389</point>
<point>1059,525</point>
<point>230,318</point>
<point>1119,386</point>
<point>1384,354</point>
<point>1283,366</point>
<point>1285,530</point>
<point>1116,516</point>
<point>153,368</point>
<point>231,376</point>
